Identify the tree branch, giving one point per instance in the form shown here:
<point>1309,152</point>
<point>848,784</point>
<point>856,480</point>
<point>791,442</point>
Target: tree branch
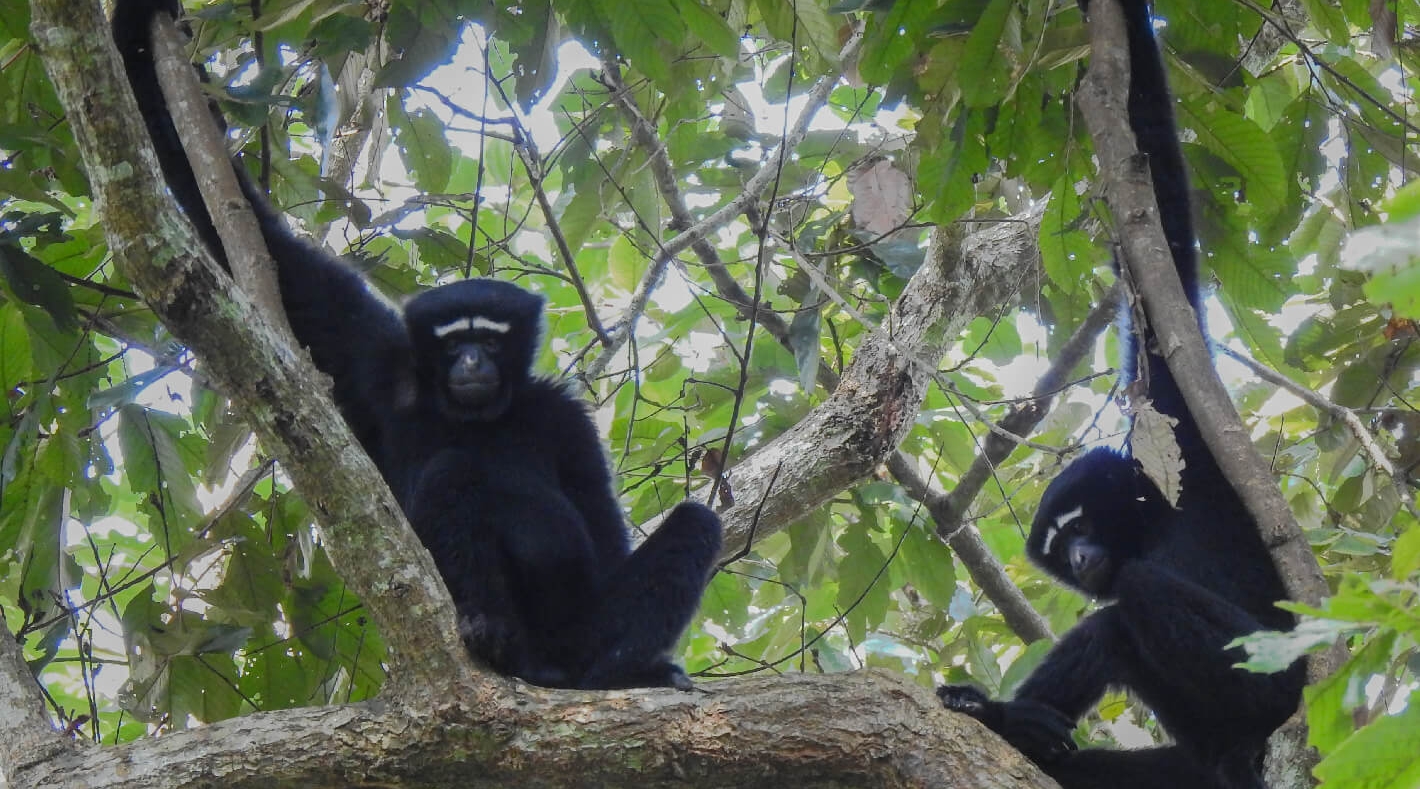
<point>27,738</point>
<point>865,729</point>
<point>449,726</point>
<point>250,263</point>
<point>1004,239</point>
<point>1370,447</point>
<point>948,510</point>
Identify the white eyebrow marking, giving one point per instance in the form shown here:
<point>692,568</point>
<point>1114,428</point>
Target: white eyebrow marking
<point>1049,538</point>
<point>449,328</point>
<point>466,324</point>
<point>1065,519</point>
<point>480,322</point>
<point>1061,521</point>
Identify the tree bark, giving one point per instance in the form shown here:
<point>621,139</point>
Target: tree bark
<point>866,728</point>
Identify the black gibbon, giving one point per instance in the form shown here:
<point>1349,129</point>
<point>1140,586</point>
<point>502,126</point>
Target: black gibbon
<point>1181,583</point>
<point>500,472</point>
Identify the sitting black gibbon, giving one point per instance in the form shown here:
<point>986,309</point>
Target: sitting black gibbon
<point>1180,583</point>
<point>501,473</point>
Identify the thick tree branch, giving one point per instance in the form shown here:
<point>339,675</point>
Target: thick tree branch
<point>451,727</point>
<point>27,738</point>
<point>1010,239</point>
<point>868,729</point>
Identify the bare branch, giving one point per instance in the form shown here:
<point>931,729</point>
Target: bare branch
<point>251,265</point>
<point>985,569</point>
<point>948,510</point>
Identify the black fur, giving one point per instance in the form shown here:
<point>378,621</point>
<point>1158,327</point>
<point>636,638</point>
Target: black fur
<point>1182,583</point>
<point>500,472</point>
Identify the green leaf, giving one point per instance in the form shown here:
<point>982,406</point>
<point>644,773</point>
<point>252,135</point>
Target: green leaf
<point>810,549</point>
<point>708,26</point>
<point>19,183</point>
<point>985,58</point>
<point>1379,756</point>
<point>862,583</point>
<point>204,687</point>
<point>893,38</point>
<point>127,391</point>
<point>35,283</point>
<point>537,55</point>
<point>16,365</point>
<point>980,656</point>
<point>641,28</point>
<point>1405,554</point>
<point>1243,144</point>
<point>1388,253</point>
<point>946,174</point>
<point>995,340</point>
<point>1067,252</point>
<point>929,566</point>
<point>423,146</point>
<point>156,469</point>
<point>1327,17</point>
<point>1405,203</point>
<point>803,338</point>
<point>1331,704</point>
<point>1255,276</point>
<point>1023,665</point>
<point>439,249</point>
<point>424,34</point>
<point>806,24</point>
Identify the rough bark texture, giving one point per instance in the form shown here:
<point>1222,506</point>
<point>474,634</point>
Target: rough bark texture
<point>251,265</point>
<point>867,729</point>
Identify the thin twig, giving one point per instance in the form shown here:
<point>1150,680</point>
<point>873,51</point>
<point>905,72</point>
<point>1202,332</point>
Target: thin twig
<point>1369,445</point>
